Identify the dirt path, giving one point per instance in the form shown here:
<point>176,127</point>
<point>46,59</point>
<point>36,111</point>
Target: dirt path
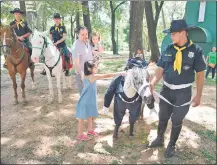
<point>41,133</point>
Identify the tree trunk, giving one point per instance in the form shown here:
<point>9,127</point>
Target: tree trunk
<point>77,19</point>
<point>86,16</point>
<point>44,19</point>
<point>136,26</point>
<point>23,7</point>
<point>114,49</point>
<point>163,18</point>
<point>72,30</point>
<point>151,24</point>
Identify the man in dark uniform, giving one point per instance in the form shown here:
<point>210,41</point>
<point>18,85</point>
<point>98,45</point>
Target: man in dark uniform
<point>177,64</point>
<point>22,31</point>
<point>58,36</point>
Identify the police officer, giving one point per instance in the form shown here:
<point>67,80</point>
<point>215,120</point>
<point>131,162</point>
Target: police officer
<point>22,31</point>
<point>177,64</point>
<point>58,36</point>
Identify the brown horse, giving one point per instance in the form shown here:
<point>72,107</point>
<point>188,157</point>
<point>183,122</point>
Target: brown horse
<point>16,58</point>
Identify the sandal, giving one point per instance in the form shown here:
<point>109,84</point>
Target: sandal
<point>93,133</point>
<point>83,137</point>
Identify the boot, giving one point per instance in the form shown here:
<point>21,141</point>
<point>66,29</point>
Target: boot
<point>5,65</point>
<point>170,150</point>
<point>115,135</point>
<point>131,129</point>
<point>159,141</point>
<point>67,73</point>
<point>43,72</point>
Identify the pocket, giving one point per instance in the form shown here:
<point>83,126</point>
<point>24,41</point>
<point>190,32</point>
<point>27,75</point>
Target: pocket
<point>168,62</point>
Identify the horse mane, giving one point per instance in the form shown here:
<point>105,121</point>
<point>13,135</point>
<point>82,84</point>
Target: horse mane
<point>43,34</point>
<point>136,77</point>
<point>9,30</point>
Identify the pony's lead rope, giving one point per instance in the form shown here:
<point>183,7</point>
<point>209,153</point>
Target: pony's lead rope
<point>163,98</point>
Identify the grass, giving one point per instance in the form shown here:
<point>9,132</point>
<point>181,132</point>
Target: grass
<point>210,158</point>
<point>207,134</point>
<point>114,162</point>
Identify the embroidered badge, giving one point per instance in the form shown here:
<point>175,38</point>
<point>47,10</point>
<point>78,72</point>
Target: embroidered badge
<point>191,54</point>
<point>186,67</point>
<point>168,54</point>
<point>61,29</point>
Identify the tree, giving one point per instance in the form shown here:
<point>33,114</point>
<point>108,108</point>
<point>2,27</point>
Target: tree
<point>86,16</point>
<point>23,7</point>
<point>113,9</point>
<point>136,26</point>
<point>152,26</point>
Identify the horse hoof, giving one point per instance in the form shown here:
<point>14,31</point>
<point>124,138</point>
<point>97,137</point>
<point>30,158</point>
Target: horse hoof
<point>24,101</point>
<point>15,102</point>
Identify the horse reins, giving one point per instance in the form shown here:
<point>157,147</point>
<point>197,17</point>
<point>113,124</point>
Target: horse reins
<point>9,54</point>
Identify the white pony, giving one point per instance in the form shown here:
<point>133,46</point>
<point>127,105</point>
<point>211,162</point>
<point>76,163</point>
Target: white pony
<point>44,51</point>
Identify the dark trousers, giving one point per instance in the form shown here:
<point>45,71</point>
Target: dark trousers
<point>28,45</point>
<point>177,114</point>
<point>64,50</point>
<point>151,105</point>
<point>176,97</point>
<point>213,71</point>
<point>120,108</point>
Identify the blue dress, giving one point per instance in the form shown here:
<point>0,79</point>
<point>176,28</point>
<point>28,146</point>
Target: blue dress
<point>87,104</point>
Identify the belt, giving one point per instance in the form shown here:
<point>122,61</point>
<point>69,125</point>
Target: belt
<point>174,87</point>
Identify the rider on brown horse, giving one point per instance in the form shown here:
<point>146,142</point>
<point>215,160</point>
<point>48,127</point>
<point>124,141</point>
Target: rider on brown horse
<point>58,36</point>
<point>22,31</point>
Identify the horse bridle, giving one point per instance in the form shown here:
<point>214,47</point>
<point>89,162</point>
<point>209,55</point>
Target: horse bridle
<point>9,46</point>
<point>42,50</point>
<point>42,57</point>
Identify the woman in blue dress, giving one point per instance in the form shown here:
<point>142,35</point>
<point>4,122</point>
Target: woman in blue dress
<point>86,108</point>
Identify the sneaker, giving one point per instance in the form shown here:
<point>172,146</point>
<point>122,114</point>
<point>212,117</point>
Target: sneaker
<point>83,137</point>
<point>67,73</point>
<point>93,133</point>
<point>43,72</point>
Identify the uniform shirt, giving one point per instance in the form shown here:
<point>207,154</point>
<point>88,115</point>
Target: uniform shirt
<point>57,35</point>
<point>82,51</point>
<point>22,30</point>
<point>192,60</point>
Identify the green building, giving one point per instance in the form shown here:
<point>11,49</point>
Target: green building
<point>202,14</point>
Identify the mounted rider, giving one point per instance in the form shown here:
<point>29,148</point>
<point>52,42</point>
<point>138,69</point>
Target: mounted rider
<point>22,31</point>
<point>58,36</point>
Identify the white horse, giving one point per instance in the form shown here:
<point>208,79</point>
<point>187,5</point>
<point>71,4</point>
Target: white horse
<point>44,51</point>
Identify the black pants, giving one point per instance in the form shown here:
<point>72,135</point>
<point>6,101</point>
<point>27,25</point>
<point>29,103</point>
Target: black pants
<point>176,97</point>
<point>120,108</point>
<point>28,45</point>
<point>151,105</point>
<point>213,71</point>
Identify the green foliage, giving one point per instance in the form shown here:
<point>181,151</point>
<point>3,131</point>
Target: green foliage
<point>6,7</point>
